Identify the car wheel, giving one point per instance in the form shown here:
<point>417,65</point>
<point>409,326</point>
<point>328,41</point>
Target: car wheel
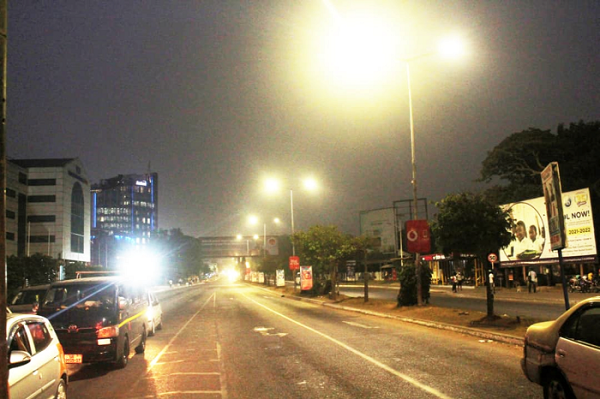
<point>159,326</point>
<point>152,329</point>
<point>142,346</point>
<point>555,387</point>
<point>124,359</point>
<point>61,390</point>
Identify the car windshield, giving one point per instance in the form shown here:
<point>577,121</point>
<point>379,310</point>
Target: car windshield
<point>27,297</point>
<point>81,296</point>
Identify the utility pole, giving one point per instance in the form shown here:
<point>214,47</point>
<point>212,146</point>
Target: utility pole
<point>3,344</point>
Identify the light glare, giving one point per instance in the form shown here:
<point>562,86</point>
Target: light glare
<point>452,47</point>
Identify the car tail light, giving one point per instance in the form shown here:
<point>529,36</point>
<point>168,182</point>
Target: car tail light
<point>108,332</point>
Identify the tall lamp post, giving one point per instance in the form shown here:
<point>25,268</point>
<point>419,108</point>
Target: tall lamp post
<point>273,185</point>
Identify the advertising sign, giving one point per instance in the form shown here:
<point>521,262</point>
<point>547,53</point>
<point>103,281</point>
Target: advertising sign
<point>418,239</point>
<point>306,278</point>
<point>379,224</point>
<point>294,262</point>
<point>261,277</point>
<point>554,210</point>
<point>280,278</point>
<point>532,242</point>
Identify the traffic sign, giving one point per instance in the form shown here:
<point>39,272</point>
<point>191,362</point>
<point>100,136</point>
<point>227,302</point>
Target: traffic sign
<point>493,258</point>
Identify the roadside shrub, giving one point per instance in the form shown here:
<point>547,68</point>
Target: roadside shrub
<point>408,284</point>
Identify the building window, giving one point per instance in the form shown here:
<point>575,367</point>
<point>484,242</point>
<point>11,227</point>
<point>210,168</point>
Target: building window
<point>41,198</point>
<point>41,239</point>
<point>41,182</point>
<point>41,218</point>
<point>10,236</point>
<point>77,215</point>
<point>22,178</point>
<point>11,193</point>
<point>10,214</point>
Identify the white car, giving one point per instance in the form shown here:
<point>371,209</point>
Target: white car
<point>36,361</point>
<point>563,355</point>
<point>154,314</point>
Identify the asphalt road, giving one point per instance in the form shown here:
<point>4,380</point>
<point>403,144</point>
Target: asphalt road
<point>224,340</point>
<point>537,310</point>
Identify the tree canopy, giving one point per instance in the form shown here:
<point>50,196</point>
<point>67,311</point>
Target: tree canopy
<point>323,246</point>
<point>518,160</point>
<point>470,223</point>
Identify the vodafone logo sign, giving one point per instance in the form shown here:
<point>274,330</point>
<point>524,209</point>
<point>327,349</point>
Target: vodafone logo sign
<point>418,237</point>
<point>412,235</point>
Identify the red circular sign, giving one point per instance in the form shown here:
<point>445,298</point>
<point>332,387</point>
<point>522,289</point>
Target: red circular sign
<point>492,258</point>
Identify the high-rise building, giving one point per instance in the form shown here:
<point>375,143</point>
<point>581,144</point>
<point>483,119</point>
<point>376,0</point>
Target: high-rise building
<point>124,211</point>
<point>48,208</point>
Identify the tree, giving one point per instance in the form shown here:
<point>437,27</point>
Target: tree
<point>474,224</point>
<point>33,270</point>
<point>324,248</point>
<point>518,160</point>
<point>179,254</point>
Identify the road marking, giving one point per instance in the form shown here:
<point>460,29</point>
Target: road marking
<point>265,332</point>
<point>377,363</point>
<point>358,324</point>
<point>164,350</point>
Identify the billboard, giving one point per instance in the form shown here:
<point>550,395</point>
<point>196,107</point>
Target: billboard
<point>531,244</point>
<point>306,278</point>
<point>380,224</point>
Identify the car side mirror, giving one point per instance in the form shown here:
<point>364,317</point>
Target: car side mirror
<point>18,358</point>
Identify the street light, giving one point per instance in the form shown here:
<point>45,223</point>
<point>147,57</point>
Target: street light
<point>253,220</point>
<point>273,185</point>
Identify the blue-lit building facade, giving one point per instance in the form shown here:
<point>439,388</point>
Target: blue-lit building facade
<point>124,214</point>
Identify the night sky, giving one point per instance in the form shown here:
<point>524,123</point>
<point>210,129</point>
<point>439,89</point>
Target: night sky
<point>217,95</point>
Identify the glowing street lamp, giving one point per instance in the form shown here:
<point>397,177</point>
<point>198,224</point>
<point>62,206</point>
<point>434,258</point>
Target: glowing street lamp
<point>253,220</point>
<point>375,51</point>
<point>273,185</point>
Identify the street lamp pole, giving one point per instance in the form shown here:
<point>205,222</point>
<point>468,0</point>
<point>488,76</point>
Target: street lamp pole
<point>415,213</point>
<point>292,215</point>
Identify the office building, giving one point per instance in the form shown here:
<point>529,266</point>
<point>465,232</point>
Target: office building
<point>48,208</point>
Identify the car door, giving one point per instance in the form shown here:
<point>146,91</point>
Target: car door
<point>578,352</point>
<point>24,381</point>
<point>46,357</point>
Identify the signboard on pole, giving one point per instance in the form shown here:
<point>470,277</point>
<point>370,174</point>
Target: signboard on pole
<point>306,278</point>
<point>294,262</point>
<point>280,278</point>
<point>418,238</point>
<point>554,209</point>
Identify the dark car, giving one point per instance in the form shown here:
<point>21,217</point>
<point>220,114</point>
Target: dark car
<point>98,319</point>
<point>28,299</point>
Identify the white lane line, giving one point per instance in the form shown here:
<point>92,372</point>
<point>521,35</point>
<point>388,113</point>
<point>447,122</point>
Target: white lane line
<point>357,324</point>
<point>164,350</point>
<point>157,377</point>
<point>377,363</point>
<point>222,374</point>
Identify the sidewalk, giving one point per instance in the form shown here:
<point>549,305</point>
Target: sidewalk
<point>507,330</point>
<point>544,294</point>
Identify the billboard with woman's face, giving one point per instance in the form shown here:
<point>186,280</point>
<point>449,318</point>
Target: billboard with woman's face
<point>529,224</point>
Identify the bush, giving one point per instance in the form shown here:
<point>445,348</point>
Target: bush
<point>408,284</point>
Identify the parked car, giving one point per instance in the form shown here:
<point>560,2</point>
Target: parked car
<point>563,355</point>
<point>98,319</point>
<point>36,362</point>
<point>154,314</point>
<point>28,299</point>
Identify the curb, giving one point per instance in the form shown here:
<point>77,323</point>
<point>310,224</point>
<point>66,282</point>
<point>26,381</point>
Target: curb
<point>503,338</point>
